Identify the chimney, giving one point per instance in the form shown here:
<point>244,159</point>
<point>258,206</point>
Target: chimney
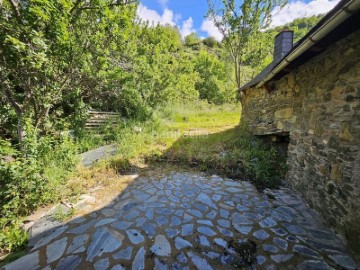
<point>283,44</point>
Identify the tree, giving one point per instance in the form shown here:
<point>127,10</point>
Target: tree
<point>192,40</point>
<point>241,23</point>
<point>50,49</point>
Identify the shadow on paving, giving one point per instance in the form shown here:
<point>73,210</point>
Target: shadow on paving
<point>187,220</point>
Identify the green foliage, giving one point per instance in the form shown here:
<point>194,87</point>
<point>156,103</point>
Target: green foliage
<point>192,40</point>
<point>241,24</point>
<point>212,83</point>
<point>234,153</point>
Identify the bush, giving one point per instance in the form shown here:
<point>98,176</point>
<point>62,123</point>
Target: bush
<point>29,179</point>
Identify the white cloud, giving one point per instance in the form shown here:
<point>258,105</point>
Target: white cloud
<point>209,27</point>
<point>298,8</point>
<point>146,14</point>
<point>167,17</point>
<point>187,27</point>
<point>163,3</point>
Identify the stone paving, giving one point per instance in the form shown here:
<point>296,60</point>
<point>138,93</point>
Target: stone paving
<point>192,221</point>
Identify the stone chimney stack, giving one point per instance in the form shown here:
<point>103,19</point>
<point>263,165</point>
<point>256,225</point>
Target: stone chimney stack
<point>283,44</point>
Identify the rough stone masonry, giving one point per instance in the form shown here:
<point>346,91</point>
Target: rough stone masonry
<point>318,106</point>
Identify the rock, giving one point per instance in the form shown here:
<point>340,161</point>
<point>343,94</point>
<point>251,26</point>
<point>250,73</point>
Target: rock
<point>30,261</point>
<point>181,243</point>
<point>205,199</point>
<point>261,235</point>
<point>135,236</point>
<point>78,244</point>
<point>103,241</point>
<point>102,264</point>
<point>187,229</point>
<point>44,241</point>
<point>206,230</point>
<point>161,246</point>
<point>281,258</point>
<point>55,250</point>
<point>139,260</point>
<point>69,262</point>
<point>200,263</point>
<point>344,261</point>
<point>124,254</point>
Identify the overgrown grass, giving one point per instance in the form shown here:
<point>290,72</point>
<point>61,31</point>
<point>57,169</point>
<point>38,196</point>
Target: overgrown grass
<point>234,153</point>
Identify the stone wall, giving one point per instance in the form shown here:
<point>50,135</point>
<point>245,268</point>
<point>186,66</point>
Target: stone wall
<point>318,105</point>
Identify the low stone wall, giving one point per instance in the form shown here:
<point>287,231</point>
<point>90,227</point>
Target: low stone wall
<point>318,105</point>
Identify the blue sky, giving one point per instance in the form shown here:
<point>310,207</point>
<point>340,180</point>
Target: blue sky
<point>189,15</point>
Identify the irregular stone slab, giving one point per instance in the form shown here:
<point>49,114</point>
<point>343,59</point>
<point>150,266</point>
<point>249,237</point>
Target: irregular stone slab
<point>234,190</point>
<point>305,251</point>
<point>162,246</point>
<point>220,242</point>
<point>161,220</point>
<point>135,236</point>
<point>279,231</point>
<point>312,264</point>
<point>132,215</point>
<point>294,229</point>
<point>206,230</point>
<point>195,213</point>
<point>187,229</point>
<point>175,221</point>
<point>124,254</point>
<point>205,199</point>
<point>270,248</point>
<point>30,261</point>
<point>205,222</point>
<point>104,221</point>
<point>268,222</point>
<point>69,262</point>
<point>102,264</point>
<point>202,240</point>
<point>149,213</point>
<point>344,261</point>
<point>140,221</point>
<point>200,263</point>
<point>260,260</point>
<point>160,265</point>
<point>139,260</point>
<point>83,228</point>
<point>140,195</point>
<point>55,250</point>
<point>117,267</point>
<point>122,225</point>
<point>78,244</point>
<point>216,197</point>
<point>281,258</point>
<point>48,239</point>
<point>241,219</point>
<point>225,232</point>
<point>172,232</point>
<point>181,243</point>
<point>181,258</point>
<point>212,214</point>
<point>280,243</point>
<point>224,223</point>
<point>224,213</point>
<point>261,235</point>
<point>243,229</point>
<point>211,255</point>
<point>149,229</point>
<point>103,241</point>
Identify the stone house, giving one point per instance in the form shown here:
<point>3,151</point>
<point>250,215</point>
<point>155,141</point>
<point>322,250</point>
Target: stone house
<point>309,97</point>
